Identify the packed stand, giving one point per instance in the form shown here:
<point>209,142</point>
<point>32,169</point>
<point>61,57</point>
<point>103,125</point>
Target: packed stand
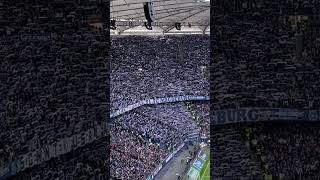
<point>232,158</point>
<point>145,67</point>
<point>86,163</point>
<point>132,157</point>
<point>286,150</point>
<point>268,150</point>
<point>53,74</point>
<point>263,59</point>
<point>257,61</point>
<point>200,112</point>
<point>141,139</point>
<point>165,124</point>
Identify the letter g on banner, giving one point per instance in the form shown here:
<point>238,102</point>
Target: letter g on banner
<point>253,115</point>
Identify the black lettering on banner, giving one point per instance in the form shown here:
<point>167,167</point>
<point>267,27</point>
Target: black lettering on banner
<point>21,163</point>
<point>26,160</point>
<point>52,151</point>
<point>59,148</point>
<point>97,131</point>
<point>221,117</point>
<point>29,157</point>
<point>38,156</point>
<point>83,138</point>
<point>18,164</point>
<point>90,135</point>
<point>79,140</point>
<point>67,143</point>
<point>273,112</point>
<point>45,154</point>
<point>35,159</point>
<point>230,115</point>
<point>74,142</point>
<point>241,115</point>
<point>253,115</point>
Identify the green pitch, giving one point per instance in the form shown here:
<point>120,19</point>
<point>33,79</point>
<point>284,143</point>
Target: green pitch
<point>205,171</point>
<point>206,174</point>
<point>195,173</point>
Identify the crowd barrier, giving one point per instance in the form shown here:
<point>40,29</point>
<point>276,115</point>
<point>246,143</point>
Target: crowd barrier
<point>166,161</point>
<point>176,151</point>
<point>158,101</point>
<point>263,114</point>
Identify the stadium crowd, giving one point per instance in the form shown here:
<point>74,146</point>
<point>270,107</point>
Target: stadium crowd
<point>141,139</point>
<point>132,157</point>
<point>86,163</point>
<point>53,71</point>
<point>153,67</point>
<point>200,112</point>
<point>277,150</point>
<point>51,45</point>
<point>158,66</point>
<point>165,124</point>
<point>257,61</point>
<point>262,58</point>
<point>149,67</point>
<point>286,150</point>
<point>232,158</point>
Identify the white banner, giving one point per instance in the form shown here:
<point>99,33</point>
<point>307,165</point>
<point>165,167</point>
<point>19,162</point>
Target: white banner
<point>54,150</point>
<point>158,101</point>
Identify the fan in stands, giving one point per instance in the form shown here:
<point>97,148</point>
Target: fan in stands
<point>265,54</point>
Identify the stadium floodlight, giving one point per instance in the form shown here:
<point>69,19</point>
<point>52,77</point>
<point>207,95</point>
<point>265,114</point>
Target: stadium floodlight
<point>148,25</point>
<point>113,24</point>
<point>148,11</point>
<point>178,26</point>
